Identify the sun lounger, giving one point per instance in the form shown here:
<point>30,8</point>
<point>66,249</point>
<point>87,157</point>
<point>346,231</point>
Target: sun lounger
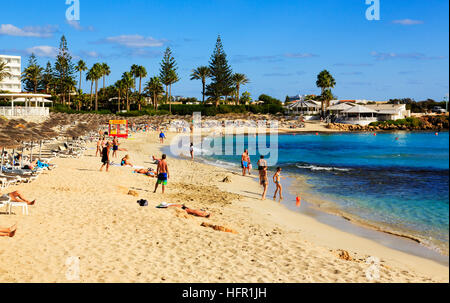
<point>19,204</point>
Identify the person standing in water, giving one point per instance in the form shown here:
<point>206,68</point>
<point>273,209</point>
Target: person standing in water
<point>163,174</point>
<point>191,151</point>
<point>277,180</point>
<point>105,156</point>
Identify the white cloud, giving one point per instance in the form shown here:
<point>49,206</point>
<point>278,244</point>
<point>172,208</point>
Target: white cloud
<point>416,56</point>
<point>407,22</point>
<point>43,51</point>
<point>76,25</point>
<point>90,54</point>
<point>28,31</point>
<point>300,55</point>
<point>134,41</point>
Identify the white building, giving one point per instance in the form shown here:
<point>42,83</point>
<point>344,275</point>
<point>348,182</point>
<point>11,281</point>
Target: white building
<point>12,84</point>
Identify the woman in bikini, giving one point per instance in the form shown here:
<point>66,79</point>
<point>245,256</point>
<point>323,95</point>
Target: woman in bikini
<point>276,179</point>
<point>126,161</point>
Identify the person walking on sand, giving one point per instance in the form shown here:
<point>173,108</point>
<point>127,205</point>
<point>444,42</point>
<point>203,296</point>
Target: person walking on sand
<point>99,147</point>
<point>263,181</point>
<point>105,156</point>
<point>244,161</point>
<point>163,174</point>
<point>277,180</point>
<point>115,147</point>
<point>162,136</point>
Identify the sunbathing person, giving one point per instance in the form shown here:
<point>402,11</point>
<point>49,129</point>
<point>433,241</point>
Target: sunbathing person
<point>126,161</point>
<point>148,172</point>
<point>17,197</point>
<point>9,231</point>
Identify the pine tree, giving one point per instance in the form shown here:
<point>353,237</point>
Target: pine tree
<point>47,78</point>
<point>64,70</point>
<point>32,75</point>
<point>221,74</point>
<point>168,74</point>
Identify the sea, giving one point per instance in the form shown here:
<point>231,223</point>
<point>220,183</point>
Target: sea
<point>396,182</point>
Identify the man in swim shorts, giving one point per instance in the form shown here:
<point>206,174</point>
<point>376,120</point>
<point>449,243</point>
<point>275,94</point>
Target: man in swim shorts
<point>244,161</point>
<point>163,174</point>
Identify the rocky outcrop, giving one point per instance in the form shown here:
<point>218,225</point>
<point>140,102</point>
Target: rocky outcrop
<point>410,124</point>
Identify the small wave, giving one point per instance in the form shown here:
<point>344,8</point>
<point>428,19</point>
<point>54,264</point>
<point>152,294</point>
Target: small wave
<point>325,168</point>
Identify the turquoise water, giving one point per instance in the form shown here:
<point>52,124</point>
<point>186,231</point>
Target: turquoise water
<point>395,180</point>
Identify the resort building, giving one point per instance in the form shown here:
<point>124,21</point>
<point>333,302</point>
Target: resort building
<point>24,105</point>
<point>309,109</point>
<point>12,84</point>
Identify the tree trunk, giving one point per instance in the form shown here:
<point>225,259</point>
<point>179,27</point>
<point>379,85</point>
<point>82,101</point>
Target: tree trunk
<point>170,98</point>
<point>237,97</point>
<point>128,104</point>
<point>79,84</point>
<point>96,95</point>
<point>90,99</point>
<point>118,103</point>
<point>203,90</point>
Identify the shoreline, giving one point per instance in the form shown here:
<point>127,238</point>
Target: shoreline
<point>411,244</point>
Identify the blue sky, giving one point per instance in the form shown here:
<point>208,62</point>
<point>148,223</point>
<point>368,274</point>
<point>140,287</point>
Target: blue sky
<point>280,45</point>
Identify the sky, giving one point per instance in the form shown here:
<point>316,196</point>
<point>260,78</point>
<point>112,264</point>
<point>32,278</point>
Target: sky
<point>280,45</point>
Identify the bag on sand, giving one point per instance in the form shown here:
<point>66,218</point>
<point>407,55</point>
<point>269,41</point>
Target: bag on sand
<point>142,202</point>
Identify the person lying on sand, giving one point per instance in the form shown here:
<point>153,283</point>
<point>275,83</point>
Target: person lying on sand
<point>148,172</point>
<point>8,231</point>
<point>126,161</point>
<point>16,196</point>
<point>195,212</point>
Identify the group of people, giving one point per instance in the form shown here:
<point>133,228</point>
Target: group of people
<point>263,179</point>
<point>104,147</point>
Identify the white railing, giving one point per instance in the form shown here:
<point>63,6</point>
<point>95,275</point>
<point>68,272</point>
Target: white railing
<point>24,111</point>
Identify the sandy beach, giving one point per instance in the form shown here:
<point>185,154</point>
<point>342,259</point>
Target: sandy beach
<point>87,214</point>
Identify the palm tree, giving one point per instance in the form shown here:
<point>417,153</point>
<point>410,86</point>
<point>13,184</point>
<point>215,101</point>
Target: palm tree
<point>238,80</point>
<point>106,71</point>
<point>4,71</point>
<point>33,73</point>
<point>81,67</point>
<point>97,73</point>
<point>120,86</point>
<point>325,81</point>
<point>201,73</point>
<point>128,82</point>
<point>134,70</point>
<point>140,72</point>
<point>154,87</point>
